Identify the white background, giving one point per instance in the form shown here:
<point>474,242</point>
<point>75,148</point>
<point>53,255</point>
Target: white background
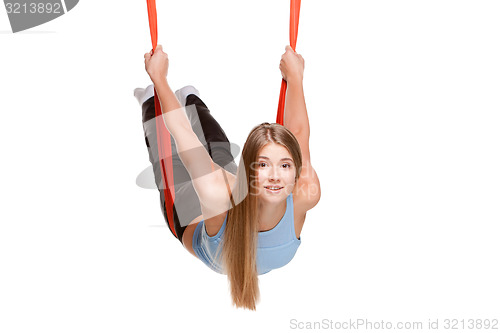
<point>404,109</point>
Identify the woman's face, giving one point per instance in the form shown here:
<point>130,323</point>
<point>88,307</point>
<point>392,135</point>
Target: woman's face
<point>275,171</point>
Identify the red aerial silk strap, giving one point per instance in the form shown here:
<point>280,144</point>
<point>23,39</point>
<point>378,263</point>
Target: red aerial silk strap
<point>294,29</point>
<point>163,135</point>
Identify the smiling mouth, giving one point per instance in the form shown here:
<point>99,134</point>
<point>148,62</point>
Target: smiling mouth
<point>274,189</point>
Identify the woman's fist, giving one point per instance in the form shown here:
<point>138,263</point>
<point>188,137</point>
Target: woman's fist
<point>292,65</point>
<point>156,64</point>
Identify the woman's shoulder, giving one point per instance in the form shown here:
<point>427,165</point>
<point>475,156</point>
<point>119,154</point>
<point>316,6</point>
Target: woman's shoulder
<point>215,208</point>
<point>213,225</point>
<point>307,191</point>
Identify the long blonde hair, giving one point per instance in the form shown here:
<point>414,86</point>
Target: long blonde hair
<point>239,250</point>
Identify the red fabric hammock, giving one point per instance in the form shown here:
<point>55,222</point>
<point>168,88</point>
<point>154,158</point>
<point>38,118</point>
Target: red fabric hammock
<point>163,135</point>
<point>164,143</point>
<point>294,30</point>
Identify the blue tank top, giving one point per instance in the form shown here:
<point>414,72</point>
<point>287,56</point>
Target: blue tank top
<point>275,247</point>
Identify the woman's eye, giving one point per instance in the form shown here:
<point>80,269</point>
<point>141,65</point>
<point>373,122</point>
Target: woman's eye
<point>286,165</point>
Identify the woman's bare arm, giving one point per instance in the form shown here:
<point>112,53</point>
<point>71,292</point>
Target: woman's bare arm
<point>206,176</point>
<point>308,188</point>
<point>295,117</point>
<point>191,151</point>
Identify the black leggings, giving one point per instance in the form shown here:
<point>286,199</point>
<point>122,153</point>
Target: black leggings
<point>186,205</point>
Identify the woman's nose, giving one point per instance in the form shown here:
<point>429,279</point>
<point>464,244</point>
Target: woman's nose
<point>274,174</point>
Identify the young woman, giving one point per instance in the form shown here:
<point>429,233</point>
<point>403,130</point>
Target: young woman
<point>241,221</point>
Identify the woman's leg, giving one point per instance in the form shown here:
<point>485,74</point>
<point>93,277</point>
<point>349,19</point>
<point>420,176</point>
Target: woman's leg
<point>150,135</point>
<point>218,145</point>
<point>186,205</point>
